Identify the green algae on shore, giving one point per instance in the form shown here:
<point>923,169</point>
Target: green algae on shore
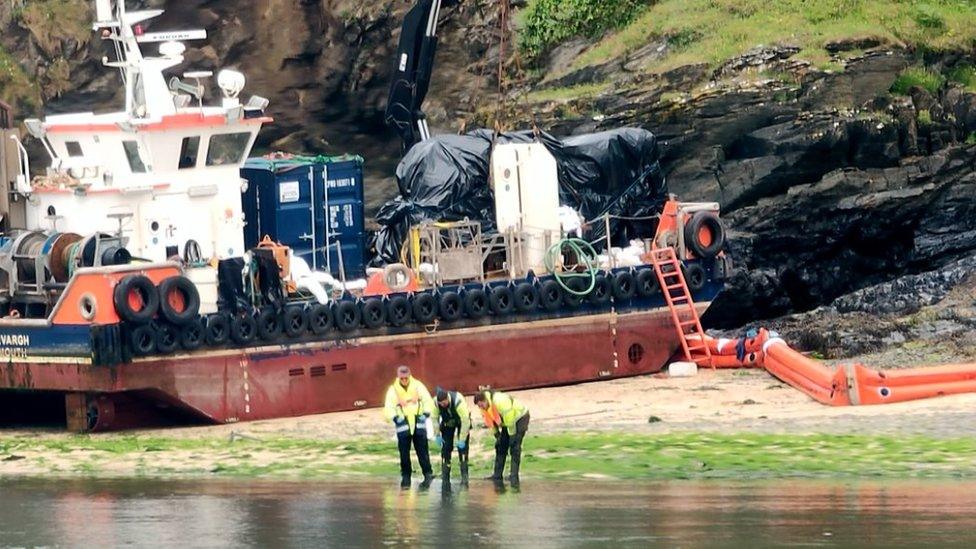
<point>602,455</point>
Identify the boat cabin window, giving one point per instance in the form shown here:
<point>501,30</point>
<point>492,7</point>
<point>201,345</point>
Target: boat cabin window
<point>74,149</point>
<point>227,148</point>
<point>132,153</point>
<point>189,151</point>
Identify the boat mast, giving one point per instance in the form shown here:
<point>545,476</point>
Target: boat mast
<point>146,92</point>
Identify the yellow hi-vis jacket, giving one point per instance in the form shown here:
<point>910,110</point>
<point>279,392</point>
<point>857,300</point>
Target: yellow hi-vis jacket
<point>503,411</point>
<point>457,409</point>
<point>408,402</point>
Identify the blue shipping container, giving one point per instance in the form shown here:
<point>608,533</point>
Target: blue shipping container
<point>313,205</point>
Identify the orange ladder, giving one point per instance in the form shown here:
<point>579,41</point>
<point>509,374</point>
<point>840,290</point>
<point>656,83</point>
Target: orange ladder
<point>683,312</point>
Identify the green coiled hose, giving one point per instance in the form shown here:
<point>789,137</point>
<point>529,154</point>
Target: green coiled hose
<point>586,256</point>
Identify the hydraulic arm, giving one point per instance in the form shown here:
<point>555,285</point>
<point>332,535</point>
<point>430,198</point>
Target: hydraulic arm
<point>414,65</point>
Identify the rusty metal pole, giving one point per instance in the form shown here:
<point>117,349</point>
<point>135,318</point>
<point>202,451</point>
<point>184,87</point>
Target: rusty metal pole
<point>6,116</point>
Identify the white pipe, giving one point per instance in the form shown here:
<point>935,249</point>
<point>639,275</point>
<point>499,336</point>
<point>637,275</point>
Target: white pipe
<point>311,210</point>
<point>327,213</point>
<point>432,18</point>
<point>23,178</point>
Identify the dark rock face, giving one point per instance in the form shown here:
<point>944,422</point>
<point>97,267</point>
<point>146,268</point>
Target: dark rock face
<point>829,184</point>
<point>913,320</point>
<point>909,293</point>
<point>852,228</point>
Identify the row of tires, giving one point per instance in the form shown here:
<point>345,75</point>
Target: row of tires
<point>301,320</point>
<point>138,301</point>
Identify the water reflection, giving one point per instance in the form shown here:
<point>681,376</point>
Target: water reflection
<point>543,514</point>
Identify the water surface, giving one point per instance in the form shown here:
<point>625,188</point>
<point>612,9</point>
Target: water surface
<point>247,513</point>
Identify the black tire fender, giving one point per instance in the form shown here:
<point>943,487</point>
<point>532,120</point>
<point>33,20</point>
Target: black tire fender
<point>695,276</point>
<point>218,329</point>
<point>693,230</point>
<point>577,284</point>
<point>175,292</point>
<point>294,322</point>
<point>624,286</point>
<point>602,291</point>
<point>269,324</point>
<point>137,286</point>
<point>550,295</point>
<point>526,297</point>
<point>646,282</point>
<point>243,329</point>
<point>167,338</point>
<point>142,340</point>
<point>373,313</point>
<point>450,307</point>
<point>319,319</point>
<point>193,334</point>
<point>501,299</point>
<point>347,316</point>
<point>398,311</point>
<point>424,308</point>
<point>476,304</point>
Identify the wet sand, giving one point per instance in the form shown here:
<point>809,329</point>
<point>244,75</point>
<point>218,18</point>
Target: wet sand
<point>720,402</point>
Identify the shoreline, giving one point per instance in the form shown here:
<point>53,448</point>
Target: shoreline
<point>741,424</point>
<point>606,455</point>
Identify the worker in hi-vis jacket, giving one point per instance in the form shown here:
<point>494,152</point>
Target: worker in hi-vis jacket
<point>508,420</point>
<point>452,420</point>
<point>408,405</point>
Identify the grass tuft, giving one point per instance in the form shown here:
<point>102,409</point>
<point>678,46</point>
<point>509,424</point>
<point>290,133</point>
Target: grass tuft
<point>965,75</point>
<point>581,91</point>
<point>924,118</point>
<point>917,76</point>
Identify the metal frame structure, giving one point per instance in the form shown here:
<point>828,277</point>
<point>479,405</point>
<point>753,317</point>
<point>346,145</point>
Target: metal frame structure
<point>458,251</point>
<point>455,249</point>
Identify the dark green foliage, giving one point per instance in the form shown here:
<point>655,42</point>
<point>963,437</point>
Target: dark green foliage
<point>917,76</point>
<point>546,23</point>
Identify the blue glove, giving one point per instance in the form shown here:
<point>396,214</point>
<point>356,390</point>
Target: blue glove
<point>461,445</point>
<point>740,350</point>
<point>440,441</point>
<point>399,420</point>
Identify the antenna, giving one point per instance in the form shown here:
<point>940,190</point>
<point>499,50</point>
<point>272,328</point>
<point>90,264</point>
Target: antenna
<point>103,10</point>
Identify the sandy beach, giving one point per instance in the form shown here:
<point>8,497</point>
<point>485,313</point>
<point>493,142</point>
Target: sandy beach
<point>749,404</point>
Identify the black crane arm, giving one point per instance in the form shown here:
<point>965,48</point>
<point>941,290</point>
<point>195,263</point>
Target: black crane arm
<point>411,76</point>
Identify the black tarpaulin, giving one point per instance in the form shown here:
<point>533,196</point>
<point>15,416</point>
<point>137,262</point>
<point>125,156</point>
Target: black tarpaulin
<point>446,179</point>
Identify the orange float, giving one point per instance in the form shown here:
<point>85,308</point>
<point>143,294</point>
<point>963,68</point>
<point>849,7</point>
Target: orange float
<point>852,384</point>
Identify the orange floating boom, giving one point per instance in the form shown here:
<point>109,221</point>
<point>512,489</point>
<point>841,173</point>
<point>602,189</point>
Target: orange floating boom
<point>853,384</point>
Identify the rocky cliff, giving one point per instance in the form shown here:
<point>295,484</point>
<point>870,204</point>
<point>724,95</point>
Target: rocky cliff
<point>830,182</point>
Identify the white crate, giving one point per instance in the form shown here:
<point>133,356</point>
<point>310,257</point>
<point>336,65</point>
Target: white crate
<point>682,369</point>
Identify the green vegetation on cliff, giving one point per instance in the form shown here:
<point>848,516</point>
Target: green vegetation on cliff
<point>58,29</point>
<point>917,76</point>
<point>965,75</point>
<point>546,23</point>
<point>712,31</point>
<point>16,87</point>
<point>52,22</point>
